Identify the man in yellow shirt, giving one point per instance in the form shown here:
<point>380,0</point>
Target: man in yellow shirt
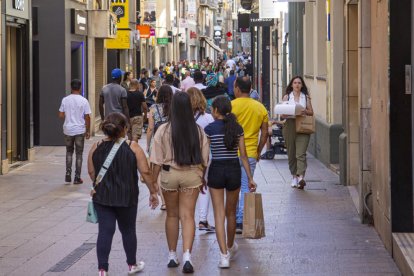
<point>253,117</point>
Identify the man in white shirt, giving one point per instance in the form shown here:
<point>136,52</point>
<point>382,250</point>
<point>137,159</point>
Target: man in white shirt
<point>198,79</point>
<point>75,111</point>
<point>169,80</point>
<point>187,82</point>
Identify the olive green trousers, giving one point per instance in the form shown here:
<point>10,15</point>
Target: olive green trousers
<point>296,145</point>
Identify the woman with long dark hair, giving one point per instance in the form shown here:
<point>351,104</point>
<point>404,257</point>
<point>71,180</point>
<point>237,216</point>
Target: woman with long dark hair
<point>297,143</point>
<point>115,197</point>
<point>226,139</point>
<point>126,80</point>
<point>159,113</point>
<point>180,152</point>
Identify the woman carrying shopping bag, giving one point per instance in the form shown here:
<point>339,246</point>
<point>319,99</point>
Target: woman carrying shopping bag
<point>297,143</point>
<point>226,137</point>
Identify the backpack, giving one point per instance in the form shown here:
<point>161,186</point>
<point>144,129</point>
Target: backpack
<point>159,123</point>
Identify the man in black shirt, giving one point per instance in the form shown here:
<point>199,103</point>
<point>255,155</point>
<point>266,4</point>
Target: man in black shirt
<point>136,105</point>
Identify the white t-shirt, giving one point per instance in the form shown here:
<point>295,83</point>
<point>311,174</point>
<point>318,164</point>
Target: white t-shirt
<point>199,86</point>
<point>204,120</point>
<point>174,89</point>
<point>75,108</point>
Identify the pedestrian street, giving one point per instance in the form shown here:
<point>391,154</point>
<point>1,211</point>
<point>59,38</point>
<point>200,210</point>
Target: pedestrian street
<point>315,231</point>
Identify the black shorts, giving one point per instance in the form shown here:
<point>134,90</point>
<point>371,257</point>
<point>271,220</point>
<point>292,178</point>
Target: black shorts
<point>224,174</point>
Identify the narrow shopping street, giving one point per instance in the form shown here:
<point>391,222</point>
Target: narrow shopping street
<point>311,232</point>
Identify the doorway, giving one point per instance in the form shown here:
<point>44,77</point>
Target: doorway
<point>17,94</point>
<point>78,64</point>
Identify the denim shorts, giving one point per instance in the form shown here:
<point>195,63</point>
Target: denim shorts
<point>224,174</point>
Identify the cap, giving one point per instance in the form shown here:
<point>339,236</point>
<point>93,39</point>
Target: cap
<point>117,73</point>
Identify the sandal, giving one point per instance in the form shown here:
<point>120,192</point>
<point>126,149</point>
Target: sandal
<point>163,207</point>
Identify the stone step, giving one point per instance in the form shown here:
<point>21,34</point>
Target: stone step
<point>403,252</point>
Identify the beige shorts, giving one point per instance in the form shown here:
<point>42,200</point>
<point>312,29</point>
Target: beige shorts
<point>178,180</point>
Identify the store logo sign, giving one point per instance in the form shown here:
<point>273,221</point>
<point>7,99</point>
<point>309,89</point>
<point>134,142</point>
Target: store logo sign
<point>18,5</point>
<point>112,25</point>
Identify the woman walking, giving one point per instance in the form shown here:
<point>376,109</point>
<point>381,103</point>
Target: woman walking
<point>158,115</point>
<point>151,93</point>
<point>126,80</point>
<point>203,119</point>
<point>297,143</point>
<point>226,138</point>
<point>115,197</point>
<point>180,151</point>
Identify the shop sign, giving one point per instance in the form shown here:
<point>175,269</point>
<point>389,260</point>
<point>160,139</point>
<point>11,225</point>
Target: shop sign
<point>230,44</point>
<point>112,25</point>
<point>121,9</point>
<point>262,22</point>
<point>150,8</point>
<point>18,5</point>
<point>152,32</point>
<point>246,40</point>
<point>162,40</point>
<point>144,30</point>
<point>122,40</point>
<point>193,35</point>
<point>79,22</point>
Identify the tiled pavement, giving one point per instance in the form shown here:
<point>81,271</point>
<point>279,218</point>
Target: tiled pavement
<point>311,232</point>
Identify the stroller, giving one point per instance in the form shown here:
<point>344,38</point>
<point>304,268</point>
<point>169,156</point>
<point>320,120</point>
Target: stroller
<point>277,144</point>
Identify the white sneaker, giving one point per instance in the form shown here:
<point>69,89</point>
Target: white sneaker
<point>172,259</point>
<point>233,250</point>
<point>136,268</point>
<point>103,273</point>
<point>294,183</point>
<point>224,260</point>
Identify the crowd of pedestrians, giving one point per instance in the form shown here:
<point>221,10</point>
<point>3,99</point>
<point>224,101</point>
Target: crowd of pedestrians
<point>205,130</point>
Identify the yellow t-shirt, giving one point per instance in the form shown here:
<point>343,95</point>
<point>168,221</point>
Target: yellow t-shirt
<point>250,114</point>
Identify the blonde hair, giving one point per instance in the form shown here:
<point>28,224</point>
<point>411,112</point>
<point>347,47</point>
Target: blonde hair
<point>198,101</point>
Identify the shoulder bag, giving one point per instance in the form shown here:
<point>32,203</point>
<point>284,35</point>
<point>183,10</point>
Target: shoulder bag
<point>305,124</point>
<point>91,215</point>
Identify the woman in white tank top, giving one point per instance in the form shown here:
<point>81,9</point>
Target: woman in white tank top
<point>297,143</point>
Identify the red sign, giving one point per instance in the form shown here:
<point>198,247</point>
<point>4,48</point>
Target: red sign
<point>193,34</point>
<point>229,34</point>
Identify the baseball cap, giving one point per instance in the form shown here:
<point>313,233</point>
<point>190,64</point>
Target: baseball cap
<point>117,73</point>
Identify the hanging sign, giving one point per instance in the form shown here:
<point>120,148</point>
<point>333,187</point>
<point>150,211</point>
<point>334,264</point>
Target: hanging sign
<point>18,5</point>
<point>122,40</point>
<point>121,9</point>
<point>150,8</point>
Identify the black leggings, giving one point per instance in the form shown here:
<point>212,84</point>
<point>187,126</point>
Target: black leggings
<point>107,217</point>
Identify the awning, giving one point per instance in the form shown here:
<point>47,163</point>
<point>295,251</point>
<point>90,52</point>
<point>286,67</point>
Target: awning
<point>214,46</point>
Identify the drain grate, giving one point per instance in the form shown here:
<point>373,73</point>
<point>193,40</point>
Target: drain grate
<point>72,258</point>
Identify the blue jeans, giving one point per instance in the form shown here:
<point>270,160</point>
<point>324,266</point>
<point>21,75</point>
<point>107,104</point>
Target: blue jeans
<point>244,188</point>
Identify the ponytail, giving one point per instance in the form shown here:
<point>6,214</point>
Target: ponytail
<point>231,131</point>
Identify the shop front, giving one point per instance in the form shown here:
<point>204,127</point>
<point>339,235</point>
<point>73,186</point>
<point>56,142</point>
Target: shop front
<point>16,107</point>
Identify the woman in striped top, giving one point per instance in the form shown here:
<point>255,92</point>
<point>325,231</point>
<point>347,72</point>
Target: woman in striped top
<point>226,139</point>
